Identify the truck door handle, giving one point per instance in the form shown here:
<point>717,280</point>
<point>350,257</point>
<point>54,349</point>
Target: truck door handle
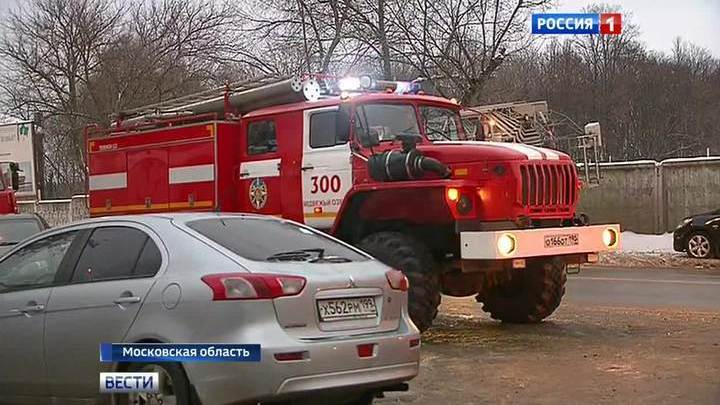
<point>307,168</point>
<point>244,174</point>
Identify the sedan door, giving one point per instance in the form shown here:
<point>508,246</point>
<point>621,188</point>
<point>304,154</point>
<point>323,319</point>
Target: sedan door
<point>108,285</point>
<point>26,280</point>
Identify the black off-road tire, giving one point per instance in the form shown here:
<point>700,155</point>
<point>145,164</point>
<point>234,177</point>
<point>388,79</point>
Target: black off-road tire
<point>403,252</point>
<point>531,294</point>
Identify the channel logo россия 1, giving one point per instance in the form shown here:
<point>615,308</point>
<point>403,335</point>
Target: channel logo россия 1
<point>581,23</point>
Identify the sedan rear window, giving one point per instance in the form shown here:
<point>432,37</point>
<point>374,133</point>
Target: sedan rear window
<point>15,230</point>
<point>271,240</point>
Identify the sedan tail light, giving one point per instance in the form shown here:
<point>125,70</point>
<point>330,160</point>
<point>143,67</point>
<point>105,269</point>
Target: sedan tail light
<point>397,280</point>
<point>253,286</point>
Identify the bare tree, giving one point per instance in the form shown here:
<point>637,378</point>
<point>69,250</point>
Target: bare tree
<point>462,43</point>
<point>315,29</point>
<point>72,62</point>
<point>176,47</point>
<point>51,49</point>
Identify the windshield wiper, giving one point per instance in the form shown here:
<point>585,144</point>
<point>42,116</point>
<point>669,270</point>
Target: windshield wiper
<point>297,255</point>
<point>434,131</point>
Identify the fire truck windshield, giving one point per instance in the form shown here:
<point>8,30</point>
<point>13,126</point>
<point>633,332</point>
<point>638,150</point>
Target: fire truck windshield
<point>389,120</point>
<point>441,124</point>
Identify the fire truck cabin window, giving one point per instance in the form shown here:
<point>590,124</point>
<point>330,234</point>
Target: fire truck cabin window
<point>440,124</point>
<point>389,120</point>
<point>323,130</point>
<point>261,137</point>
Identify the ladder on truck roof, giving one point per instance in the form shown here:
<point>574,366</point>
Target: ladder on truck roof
<point>246,96</point>
<point>520,122</point>
<point>533,123</point>
<point>240,96</point>
<point>178,103</point>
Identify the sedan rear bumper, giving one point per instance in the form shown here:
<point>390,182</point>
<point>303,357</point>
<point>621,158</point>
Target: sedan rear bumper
<point>331,365</point>
<point>485,245</point>
<point>364,377</point>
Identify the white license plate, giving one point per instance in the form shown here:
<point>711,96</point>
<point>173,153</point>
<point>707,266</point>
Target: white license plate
<point>561,240</point>
<point>340,309</point>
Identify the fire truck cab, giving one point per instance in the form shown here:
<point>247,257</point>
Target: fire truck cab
<point>9,184</point>
<point>390,171</point>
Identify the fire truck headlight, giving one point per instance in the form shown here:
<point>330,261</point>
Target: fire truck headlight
<point>610,237</point>
<point>507,244</point>
<point>453,194</point>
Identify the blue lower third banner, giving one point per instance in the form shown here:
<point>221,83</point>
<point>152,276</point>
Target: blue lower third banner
<point>168,352</point>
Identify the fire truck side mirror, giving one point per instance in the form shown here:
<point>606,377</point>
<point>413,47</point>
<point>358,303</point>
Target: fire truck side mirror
<point>15,176</point>
<point>342,127</point>
<point>369,138</point>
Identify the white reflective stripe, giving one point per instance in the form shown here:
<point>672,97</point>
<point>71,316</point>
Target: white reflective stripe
<point>108,181</point>
<point>516,147</point>
<point>549,153</point>
<point>531,153</point>
<point>192,174</point>
<point>260,168</point>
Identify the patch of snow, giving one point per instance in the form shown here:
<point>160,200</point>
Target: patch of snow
<point>637,242</point>
<point>10,120</point>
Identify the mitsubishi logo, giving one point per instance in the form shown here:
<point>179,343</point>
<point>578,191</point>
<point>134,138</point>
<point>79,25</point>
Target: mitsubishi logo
<point>352,284</point>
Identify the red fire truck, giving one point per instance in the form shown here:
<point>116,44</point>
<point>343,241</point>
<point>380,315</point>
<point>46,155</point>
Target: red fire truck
<point>377,164</point>
<point>9,184</point>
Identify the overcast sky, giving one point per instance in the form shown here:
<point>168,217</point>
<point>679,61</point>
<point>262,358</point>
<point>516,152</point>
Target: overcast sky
<point>660,21</point>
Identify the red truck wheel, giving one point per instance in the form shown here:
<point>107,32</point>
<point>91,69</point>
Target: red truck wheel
<point>406,253</point>
<point>529,297</point>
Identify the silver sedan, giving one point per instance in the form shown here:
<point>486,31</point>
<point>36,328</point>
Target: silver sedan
<point>332,322</point>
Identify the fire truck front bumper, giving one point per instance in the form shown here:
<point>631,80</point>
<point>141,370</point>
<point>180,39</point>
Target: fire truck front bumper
<point>528,243</point>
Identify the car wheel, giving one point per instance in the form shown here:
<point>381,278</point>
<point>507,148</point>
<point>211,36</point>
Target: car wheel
<point>174,386</point>
<point>413,258</point>
<point>699,246</point>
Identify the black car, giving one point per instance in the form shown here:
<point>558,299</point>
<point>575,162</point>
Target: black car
<point>16,227</point>
<point>699,235</point>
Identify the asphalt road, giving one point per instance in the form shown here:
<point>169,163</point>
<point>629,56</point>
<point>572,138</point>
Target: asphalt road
<point>621,335</point>
<point>645,288</point>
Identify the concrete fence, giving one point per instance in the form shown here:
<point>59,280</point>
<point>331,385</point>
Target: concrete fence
<point>643,196</point>
<point>58,212</point>
<point>653,197</point>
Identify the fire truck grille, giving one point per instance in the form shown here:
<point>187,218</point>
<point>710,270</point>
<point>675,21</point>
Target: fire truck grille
<point>548,187</point>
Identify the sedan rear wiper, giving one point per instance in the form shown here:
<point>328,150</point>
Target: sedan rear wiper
<point>297,255</point>
<point>6,243</point>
